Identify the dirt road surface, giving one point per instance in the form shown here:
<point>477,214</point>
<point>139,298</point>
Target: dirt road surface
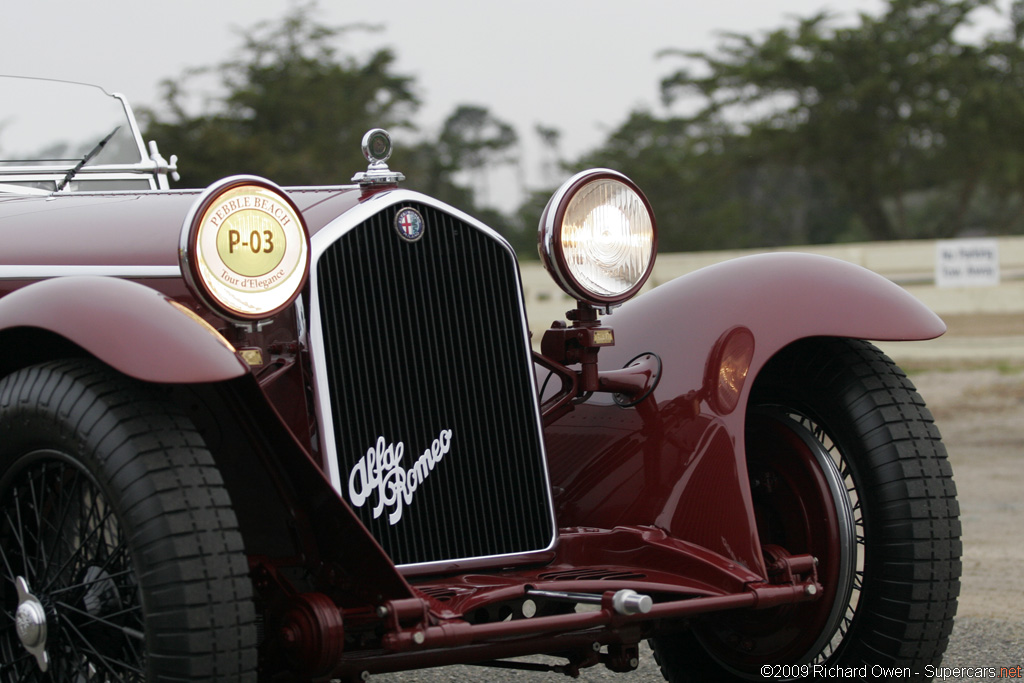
<point>976,392</point>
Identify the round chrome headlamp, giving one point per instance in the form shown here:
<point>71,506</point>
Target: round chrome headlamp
<point>598,238</point>
<point>244,249</point>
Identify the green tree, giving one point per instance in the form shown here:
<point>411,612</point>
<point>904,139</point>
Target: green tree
<point>292,107</point>
<point>708,188</point>
<point>454,167</point>
<point>908,124</point>
<point>472,140</point>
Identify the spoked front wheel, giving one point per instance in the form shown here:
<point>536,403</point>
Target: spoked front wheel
<point>845,464</point>
<point>120,556</point>
<point>78,610</point>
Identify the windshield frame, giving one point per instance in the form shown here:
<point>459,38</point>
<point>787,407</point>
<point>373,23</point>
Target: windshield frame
<point>36,176</point>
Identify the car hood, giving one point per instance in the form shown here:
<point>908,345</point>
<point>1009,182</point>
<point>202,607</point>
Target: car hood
<point>124,229</point>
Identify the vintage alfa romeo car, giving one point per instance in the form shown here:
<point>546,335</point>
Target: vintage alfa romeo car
<point>255,433</point>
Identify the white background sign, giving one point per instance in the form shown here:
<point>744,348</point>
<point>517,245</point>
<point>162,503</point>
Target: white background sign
<point>967,263</point>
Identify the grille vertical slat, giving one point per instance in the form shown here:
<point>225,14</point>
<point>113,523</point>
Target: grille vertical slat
<point>420,337</point>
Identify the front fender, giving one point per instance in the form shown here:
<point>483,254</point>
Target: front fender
<point>130,327</point>
<point>676,460</point>
<point>779,297</point>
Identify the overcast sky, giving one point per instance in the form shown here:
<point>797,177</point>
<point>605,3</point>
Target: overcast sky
<point>577,65</point>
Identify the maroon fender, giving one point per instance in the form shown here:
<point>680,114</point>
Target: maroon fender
<point>779,297</point>
<point>676,461</point>
<point>128,326</point>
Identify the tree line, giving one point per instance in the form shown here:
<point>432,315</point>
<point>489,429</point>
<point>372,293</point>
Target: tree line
<point>895,127</point>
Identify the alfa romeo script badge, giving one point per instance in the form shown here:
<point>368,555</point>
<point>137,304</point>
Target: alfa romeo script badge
<point>409,224</point>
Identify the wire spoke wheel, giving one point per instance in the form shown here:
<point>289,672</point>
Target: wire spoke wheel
<point>804,505</point>
<point>60,535</point>
<point>845,464</point>
<point>119,552</point>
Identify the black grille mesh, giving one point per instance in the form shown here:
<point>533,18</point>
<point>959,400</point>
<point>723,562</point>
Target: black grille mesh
<point>423,337</point>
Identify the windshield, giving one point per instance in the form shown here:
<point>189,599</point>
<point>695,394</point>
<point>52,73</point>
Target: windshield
<point>55,123</point>
<point>57,136</point>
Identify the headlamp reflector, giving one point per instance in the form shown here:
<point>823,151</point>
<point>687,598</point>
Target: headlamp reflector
<point>598,238</point>
<point>607,237</point>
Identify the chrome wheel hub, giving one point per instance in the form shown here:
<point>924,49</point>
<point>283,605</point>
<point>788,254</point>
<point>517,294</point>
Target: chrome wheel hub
<point>30,621</point>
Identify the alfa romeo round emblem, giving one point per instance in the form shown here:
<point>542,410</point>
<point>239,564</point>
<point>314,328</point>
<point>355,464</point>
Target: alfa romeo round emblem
<point>409,224</point>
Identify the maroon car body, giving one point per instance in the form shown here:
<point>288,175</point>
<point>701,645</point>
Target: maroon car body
<point>666,464</point>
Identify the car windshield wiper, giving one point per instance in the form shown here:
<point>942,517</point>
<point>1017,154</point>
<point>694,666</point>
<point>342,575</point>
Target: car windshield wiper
<point>92,152</point>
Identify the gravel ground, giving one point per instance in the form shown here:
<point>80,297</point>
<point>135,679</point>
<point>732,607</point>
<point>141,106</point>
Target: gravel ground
<point>979,407</point>
<point>981,415</point>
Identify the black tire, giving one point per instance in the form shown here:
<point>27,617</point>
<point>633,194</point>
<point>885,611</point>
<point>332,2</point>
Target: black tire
<point>839,410</point>
<point>115,522</point>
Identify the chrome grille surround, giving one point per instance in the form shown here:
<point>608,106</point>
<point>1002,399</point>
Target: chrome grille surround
<point>413,341</point>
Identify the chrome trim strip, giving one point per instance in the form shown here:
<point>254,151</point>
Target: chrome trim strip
<point>89,175</point>
<point>24,189</point>
<point>42,272</point>
<point>326,189</point>
<point>319,243</point>
<point>128,169</point>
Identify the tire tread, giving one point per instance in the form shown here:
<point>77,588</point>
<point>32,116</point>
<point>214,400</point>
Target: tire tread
<point>911,515</point>
<point>187,546</point>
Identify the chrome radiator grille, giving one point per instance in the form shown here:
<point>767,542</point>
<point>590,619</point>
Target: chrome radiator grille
<point>428,377</point>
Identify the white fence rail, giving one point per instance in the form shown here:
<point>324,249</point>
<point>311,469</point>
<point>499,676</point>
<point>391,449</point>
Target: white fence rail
<point>910,264</point>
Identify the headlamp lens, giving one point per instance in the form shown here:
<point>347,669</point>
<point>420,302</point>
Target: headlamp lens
<point>607,237</point>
